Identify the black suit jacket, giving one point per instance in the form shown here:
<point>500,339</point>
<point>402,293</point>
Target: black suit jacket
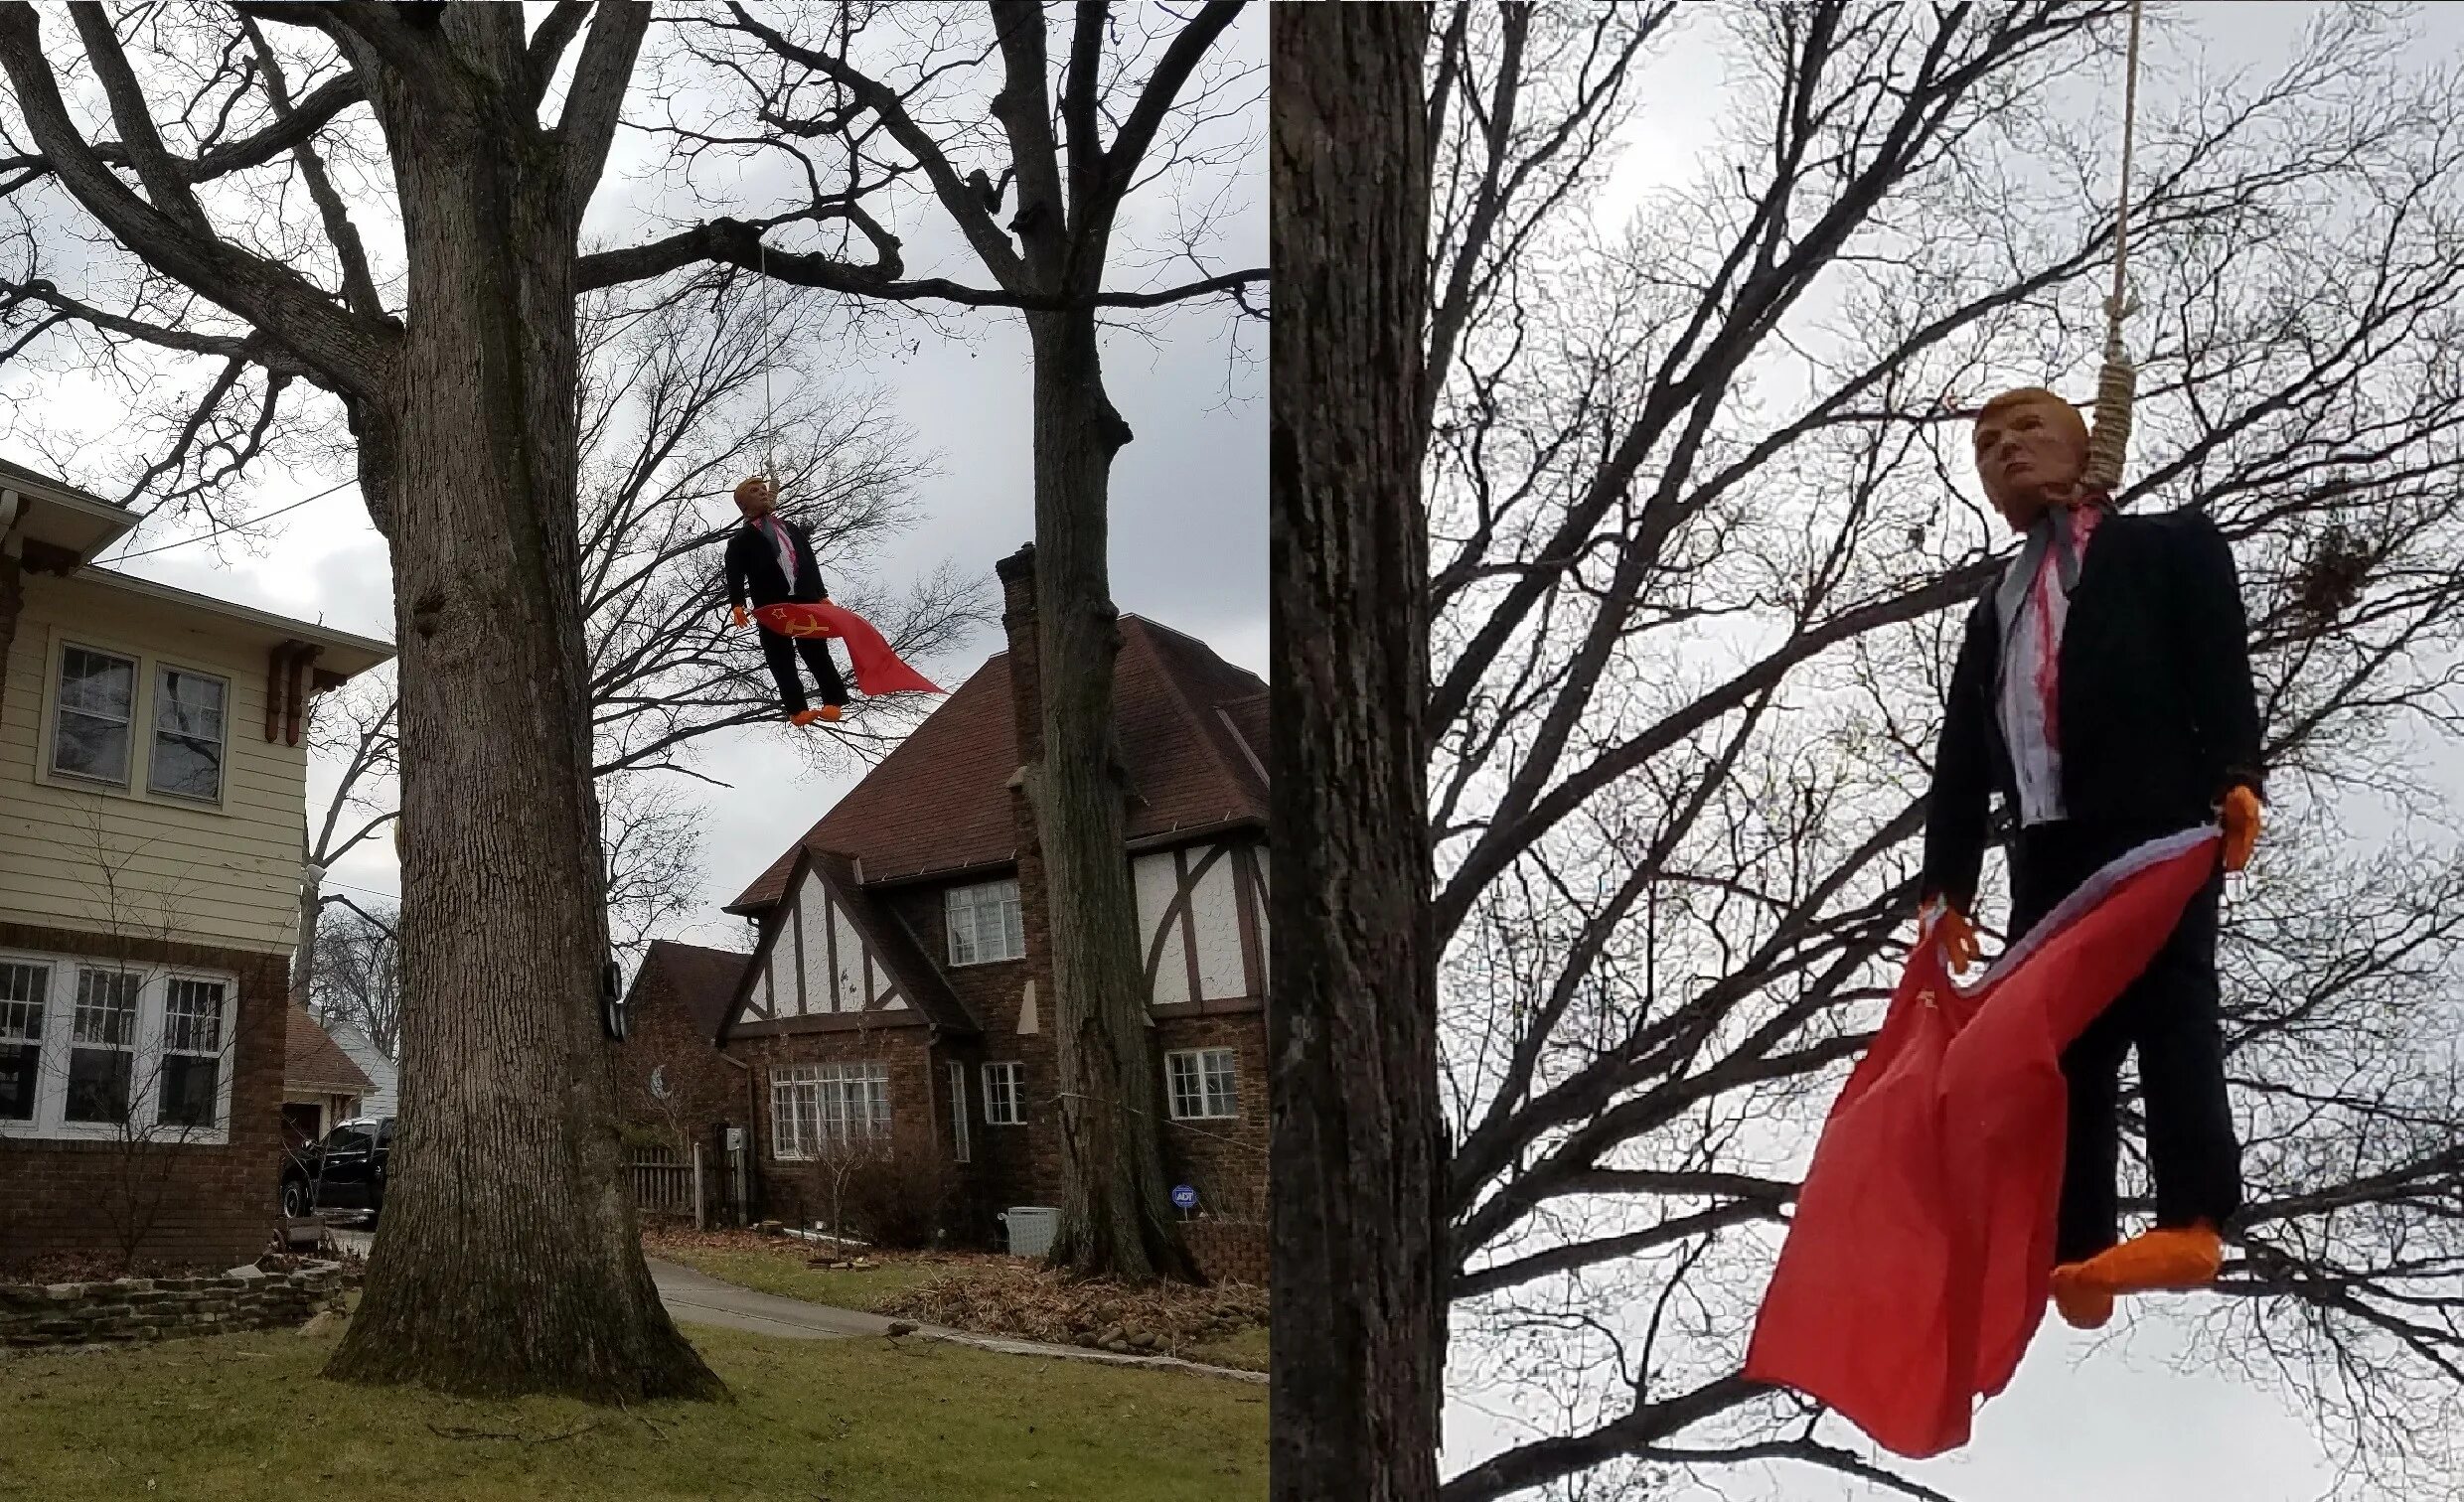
<point>2158,715</point>
<point>753,567</point>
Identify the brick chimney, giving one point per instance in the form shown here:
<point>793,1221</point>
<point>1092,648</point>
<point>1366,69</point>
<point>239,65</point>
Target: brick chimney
<point>1018,576</point>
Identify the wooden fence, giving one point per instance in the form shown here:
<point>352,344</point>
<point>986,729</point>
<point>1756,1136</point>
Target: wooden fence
<point>668,1182</point>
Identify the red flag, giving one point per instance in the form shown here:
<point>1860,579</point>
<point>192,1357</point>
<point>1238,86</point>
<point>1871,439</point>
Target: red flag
<point>878,670</point>
<point>1918,1261</point>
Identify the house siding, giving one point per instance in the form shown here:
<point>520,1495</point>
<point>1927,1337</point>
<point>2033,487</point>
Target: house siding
<point>211,1202</point>
<point>225,876</point>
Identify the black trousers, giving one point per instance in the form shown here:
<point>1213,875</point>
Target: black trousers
<point>2169,1014</point>
<point>782,651</point>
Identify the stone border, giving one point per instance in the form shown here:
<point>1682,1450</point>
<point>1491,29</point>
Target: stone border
<point>163,1308</point>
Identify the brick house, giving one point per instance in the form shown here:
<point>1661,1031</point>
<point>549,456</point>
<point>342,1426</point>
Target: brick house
<point>899,988</point>
<point>670,1074</point>
<point>152,791</point>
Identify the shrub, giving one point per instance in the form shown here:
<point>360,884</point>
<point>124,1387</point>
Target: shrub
<point>896,1197</point>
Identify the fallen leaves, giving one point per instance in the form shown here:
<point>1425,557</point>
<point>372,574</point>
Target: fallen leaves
<point>1031,1302</point>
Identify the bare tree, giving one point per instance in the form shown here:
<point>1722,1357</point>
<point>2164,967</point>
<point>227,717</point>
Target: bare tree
<point>1075,139</point>
<point>1700,532</point>
<point>669,422</point>
<point>359,975</point>
<point>1358,1134</point>
<point>687,389</point>
<point>454,362</point>
<point>355,727</point>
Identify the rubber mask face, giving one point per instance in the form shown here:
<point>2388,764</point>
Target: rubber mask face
<point>753,500</point>
<point>2030,454</point>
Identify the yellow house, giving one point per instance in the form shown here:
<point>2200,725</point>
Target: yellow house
<point>153,787</point>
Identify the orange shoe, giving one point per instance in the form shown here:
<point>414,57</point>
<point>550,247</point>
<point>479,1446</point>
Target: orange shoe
<point>2084,1305</point>
<point>2174,1256</point>
<point>808,716</point>
<point>829,712</point>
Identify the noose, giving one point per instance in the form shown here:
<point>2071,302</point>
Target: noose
<point>2108,441</point>
<point>769,421</point>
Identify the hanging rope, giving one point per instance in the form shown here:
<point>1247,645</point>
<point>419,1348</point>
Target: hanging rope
<point>2108,441</point>
<point>769,429</point>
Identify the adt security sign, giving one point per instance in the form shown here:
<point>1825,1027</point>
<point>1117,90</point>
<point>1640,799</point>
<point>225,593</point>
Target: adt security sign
<point>1184,1197</point>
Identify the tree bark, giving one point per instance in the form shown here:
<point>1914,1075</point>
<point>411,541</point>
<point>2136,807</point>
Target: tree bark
<point>510,1261</point>
<point>1357,1137</point>
<point>304,950</point>
<point>1117,1218</point>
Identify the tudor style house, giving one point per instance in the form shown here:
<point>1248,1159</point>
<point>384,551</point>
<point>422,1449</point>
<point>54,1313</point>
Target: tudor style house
<point>899,991</point>
<point>152,791</point>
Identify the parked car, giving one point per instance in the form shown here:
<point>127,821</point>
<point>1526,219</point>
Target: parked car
<point>343,1170</point>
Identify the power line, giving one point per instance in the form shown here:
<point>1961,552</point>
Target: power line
<point>220,530</point>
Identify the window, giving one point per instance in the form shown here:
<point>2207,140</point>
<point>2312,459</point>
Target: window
<point>104,1046</point>
<point>92,1051</point>
<point>1202,1084</point>
<point>187,759</point>
<point>1003,1101</point>
<point>814,1108</point>
<point>97,702</point>
<point>192,1067</point>
<point>958,1108</point>
<point>985,924</point>
<point>23,990</point>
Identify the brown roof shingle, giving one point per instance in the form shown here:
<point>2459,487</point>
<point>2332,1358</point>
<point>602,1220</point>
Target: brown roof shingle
<point>704,980</point>
<point>312,1060</point>
<point>940,802</point>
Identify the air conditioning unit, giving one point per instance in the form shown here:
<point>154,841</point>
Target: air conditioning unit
<point>1031,1229</point>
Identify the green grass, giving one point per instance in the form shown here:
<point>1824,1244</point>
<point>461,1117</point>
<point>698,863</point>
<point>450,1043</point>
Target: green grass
<point>245,1416</point>
<point>784,1274</point>
<point>1246,1350</point>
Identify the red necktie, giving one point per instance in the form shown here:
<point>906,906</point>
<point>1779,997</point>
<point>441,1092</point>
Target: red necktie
<point>2084,519</point>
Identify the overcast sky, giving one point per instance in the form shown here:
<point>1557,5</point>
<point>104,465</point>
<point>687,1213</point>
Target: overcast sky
<point>2104,1415</point>
<point>1188,494</point>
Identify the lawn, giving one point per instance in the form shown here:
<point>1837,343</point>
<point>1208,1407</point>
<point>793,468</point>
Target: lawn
<point>778,1267</point>
<point>245,1416</point>
<point>1246,1350</point>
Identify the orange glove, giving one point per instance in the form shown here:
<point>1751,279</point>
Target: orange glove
<point>2240,821</point>
<point>743,620</point>
<point>1940,920</point>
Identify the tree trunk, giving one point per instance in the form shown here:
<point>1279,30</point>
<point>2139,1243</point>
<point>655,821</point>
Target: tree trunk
<point>1358,1141</point>
<point>510,1261</point>
<point>1116,1217</point>
<point>304,953</point>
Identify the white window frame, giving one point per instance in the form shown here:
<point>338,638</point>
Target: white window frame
<point>967,946</point>
<point>136,781</point>
<point>54,695</point>
<point>107,974</point>
<point>156,732</point>
<point>799,1136</point>
<point>957,1113</point>
<point>1197,1066</point>
<point>1011,1089</point>
<point>175,1047</point>
<point>20,1029</point>
<point>147,1045</point>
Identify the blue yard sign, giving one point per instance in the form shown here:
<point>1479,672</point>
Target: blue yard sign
<point>1184,1197</point>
